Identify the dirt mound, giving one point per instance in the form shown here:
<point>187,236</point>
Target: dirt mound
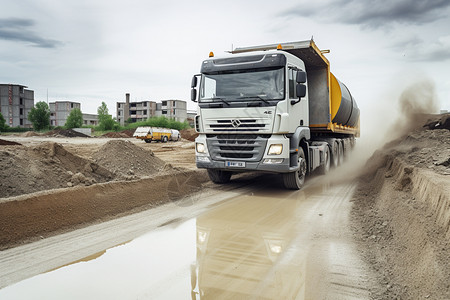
<point>8,143</point>
<point>126,159</point>
<point>30,133</point>
<point>128,132</point>
<point>47,166</point>
<point>189,134</point>
<point>65,133</point>
<point>401,211</point>
<point>28,218</point>
<point>115,135</point>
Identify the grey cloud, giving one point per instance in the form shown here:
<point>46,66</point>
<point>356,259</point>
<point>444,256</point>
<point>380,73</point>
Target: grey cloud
<point>17,29</point>
<point>373,13</point>
<point>416,49</point>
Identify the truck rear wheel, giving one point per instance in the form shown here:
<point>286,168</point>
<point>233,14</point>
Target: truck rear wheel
<point>164,139</point>
<point>296,180</point>
<point>148,140</point>
<point>219,176</point>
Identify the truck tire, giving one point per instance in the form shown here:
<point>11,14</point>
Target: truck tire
<point>148,140</point>
<point>164,139</point>
<point>323,169</point>
<point>219,176</point>
<point>296,180</point>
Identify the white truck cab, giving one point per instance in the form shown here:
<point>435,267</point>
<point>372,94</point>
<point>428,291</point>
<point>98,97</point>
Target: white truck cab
<point>254,113</point>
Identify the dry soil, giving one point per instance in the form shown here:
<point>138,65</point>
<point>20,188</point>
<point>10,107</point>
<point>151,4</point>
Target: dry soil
<point>401,213</point>
<point>49,187</point>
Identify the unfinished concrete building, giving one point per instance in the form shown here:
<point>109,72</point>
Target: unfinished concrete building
<point>16,101</point>
<point>142,110</point>
<point>60,111</point>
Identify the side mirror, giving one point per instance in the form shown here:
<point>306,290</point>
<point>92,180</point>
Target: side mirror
<point>301,92</point>
<point>194,81</point>
<point>301,76</point>
<point>193,86</point>
<point>194,95</point>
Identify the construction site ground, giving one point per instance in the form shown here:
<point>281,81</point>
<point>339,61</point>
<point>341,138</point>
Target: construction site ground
<point>398,203</point>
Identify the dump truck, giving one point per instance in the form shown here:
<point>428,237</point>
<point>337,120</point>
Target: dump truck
<point>272,108</point>
<point>149,134</point>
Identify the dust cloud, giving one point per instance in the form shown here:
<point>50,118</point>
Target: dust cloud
<point>402,109</point>
<point>415,101</point>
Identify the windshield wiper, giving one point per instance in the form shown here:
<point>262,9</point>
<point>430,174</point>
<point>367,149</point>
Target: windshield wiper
<point>221,99</point>
<point>257,97</point>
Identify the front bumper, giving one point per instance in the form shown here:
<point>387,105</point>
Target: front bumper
<point>282,167</point>
<point>215,157</point>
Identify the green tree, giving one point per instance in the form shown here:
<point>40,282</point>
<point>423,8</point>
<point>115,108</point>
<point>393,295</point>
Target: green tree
<point>75,119</point>
<point>3,125</point>
<point>39,116</point>
<point>128,122</point>
<point>105,120</point>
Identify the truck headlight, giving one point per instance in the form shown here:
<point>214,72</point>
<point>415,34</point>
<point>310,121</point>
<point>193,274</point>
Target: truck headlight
<point>200,147</point>
<point>275,149</point>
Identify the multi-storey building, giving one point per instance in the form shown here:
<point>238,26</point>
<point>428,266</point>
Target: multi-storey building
<point>16,101</point>
<point>142,110</point>
<point>135,111</point>
<point>60,110</point>
<point>90,119</point>
<point>174,109</point>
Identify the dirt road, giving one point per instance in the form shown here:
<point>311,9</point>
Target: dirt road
<point>252,239</point>
<point>380,234</point>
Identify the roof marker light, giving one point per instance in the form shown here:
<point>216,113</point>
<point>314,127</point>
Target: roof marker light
<point>211,54</point>
<point>279,47</point>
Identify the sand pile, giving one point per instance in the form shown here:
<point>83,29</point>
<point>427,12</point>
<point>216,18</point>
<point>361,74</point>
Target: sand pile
<point>30,134</point>
<point>115,135</point>
<point>65,133</point>
<point>47,166</point>
<point>125,159</point>
<point>189,134</point>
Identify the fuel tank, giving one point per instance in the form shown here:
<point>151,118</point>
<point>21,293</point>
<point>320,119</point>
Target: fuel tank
<point>344,110</point>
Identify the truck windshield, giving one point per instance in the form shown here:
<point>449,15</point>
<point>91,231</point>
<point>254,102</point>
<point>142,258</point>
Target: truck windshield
<point>243,85</point>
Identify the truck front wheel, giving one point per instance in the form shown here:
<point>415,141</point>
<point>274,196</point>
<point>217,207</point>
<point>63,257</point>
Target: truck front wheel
<point>295,180</point>
<point>219,176</point>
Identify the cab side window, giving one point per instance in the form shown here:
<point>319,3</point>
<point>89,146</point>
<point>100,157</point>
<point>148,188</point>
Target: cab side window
<point>292,74</point>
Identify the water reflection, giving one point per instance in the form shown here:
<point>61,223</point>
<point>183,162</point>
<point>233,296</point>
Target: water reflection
<point>246,249</point>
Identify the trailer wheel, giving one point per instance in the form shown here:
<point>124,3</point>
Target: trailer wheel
<point>219,176</point>
<point>296,180</point>
<point>148,140</point>
<point>323,169</point>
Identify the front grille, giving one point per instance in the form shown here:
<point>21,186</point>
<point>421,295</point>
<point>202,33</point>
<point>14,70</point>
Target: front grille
<point>248,147</point>
<point>241,125</point>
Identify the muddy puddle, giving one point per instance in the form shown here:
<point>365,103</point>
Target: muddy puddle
<point>261,245</point>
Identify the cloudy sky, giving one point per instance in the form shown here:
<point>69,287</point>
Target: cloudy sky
<point>93,51</point>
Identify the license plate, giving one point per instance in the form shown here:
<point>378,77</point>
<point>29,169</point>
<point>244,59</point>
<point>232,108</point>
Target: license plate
<point>235,164</point>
